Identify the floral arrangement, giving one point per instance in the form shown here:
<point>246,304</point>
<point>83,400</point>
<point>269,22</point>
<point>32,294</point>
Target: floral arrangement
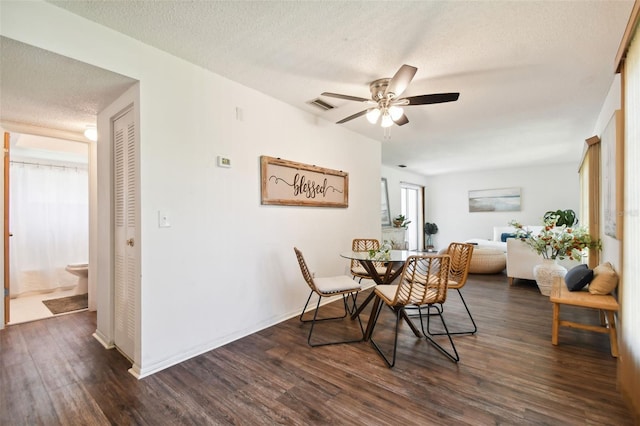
<point>557,241</point>
<point>383,253</point>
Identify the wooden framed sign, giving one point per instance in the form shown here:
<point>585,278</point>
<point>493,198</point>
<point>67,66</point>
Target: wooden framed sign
<point>289,183</point>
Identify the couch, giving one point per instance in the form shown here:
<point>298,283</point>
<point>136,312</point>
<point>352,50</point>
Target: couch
<point>521,259</point>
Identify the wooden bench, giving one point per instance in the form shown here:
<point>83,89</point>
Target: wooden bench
<point>606,304</point>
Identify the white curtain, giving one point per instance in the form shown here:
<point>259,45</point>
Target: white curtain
<point>49,215</point>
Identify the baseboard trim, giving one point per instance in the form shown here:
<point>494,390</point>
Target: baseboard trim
<point>104,341</point>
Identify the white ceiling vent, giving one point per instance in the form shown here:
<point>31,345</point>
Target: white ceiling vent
<point>321,104</point>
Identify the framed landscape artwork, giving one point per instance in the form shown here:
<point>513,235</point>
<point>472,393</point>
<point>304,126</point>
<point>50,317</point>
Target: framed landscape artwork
<point>494,200</point>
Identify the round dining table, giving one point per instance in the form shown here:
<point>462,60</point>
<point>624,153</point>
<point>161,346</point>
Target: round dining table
<point>394,261</point>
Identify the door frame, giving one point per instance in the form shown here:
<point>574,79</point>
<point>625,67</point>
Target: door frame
<point>6,229</point>
<point>101,228</point>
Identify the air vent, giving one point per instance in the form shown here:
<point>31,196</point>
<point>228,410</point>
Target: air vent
<point>321,104</point>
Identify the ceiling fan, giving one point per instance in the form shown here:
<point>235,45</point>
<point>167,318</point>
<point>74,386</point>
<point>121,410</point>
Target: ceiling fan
<point>386,102</point>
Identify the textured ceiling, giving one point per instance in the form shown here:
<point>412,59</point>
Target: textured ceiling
<point>41,89</point>
<point>532,75</point>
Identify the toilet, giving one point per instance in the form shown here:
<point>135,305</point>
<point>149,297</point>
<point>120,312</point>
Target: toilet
<point>81,270</point>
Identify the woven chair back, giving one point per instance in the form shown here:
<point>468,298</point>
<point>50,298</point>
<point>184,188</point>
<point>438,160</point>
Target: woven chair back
<point>308,277</point>
<point>460,254</point>
<point>424,280</point>
<point>364,244</point>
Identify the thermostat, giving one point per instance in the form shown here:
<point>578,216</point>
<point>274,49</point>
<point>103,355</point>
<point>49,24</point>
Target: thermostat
<point>224,161</point>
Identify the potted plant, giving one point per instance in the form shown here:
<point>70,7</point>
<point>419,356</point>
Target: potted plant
<point>558,239</point>
<point>562,217</point>
<point>400,221</point>
<point>430,229</point>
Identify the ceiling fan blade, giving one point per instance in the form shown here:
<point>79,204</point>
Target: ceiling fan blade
<point>347,97</point>
<point>402,120</point>
<point>351,117</point>
<point>435,98</point>
<point>400,81</point>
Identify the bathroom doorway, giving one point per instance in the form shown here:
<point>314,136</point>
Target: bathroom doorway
<point>48,220</point>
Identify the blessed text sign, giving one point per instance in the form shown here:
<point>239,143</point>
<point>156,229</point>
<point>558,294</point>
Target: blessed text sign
<point>296,184</point>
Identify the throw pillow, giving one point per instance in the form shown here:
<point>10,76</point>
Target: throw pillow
<point>578,277</point>
<point>505,235</point>
<point>604,280</point>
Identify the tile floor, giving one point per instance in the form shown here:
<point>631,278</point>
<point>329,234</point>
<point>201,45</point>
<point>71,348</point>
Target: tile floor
<point>31,308</point>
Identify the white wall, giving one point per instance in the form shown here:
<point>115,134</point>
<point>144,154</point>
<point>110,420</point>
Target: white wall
<point>542,189</point>
<point>226,267</point>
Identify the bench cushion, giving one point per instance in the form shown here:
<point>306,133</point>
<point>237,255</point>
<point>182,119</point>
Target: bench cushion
<point>578,277</point>
<point>605,279</point>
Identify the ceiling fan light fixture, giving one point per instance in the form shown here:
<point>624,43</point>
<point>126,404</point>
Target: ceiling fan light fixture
<point>395,112</point>
<point>387,102</point>
<point>373,115</point>
<point>386,120</point>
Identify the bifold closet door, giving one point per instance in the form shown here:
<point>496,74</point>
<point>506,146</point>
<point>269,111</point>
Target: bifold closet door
<point>125,247</point>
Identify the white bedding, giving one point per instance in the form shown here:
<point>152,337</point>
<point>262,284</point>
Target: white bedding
<point>496,242</point>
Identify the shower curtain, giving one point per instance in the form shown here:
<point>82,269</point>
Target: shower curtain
<point>49,220</point>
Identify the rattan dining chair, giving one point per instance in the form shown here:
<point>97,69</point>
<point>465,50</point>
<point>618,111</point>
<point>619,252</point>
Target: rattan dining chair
<point>460,254</point>
<point>340,285</point>
<point>365,245</point>
<point>423,283</point>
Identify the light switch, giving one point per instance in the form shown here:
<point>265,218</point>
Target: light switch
<point>163,219</point>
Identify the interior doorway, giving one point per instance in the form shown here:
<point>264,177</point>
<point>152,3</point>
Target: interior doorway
<point>48,220</point>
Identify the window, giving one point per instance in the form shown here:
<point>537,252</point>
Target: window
<point>412,206</point>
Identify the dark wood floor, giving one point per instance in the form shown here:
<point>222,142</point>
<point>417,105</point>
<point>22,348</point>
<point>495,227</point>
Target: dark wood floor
<point>53,372</point>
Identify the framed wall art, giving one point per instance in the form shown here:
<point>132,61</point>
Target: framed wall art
<point>289,183</point>
<point>495,200</point>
